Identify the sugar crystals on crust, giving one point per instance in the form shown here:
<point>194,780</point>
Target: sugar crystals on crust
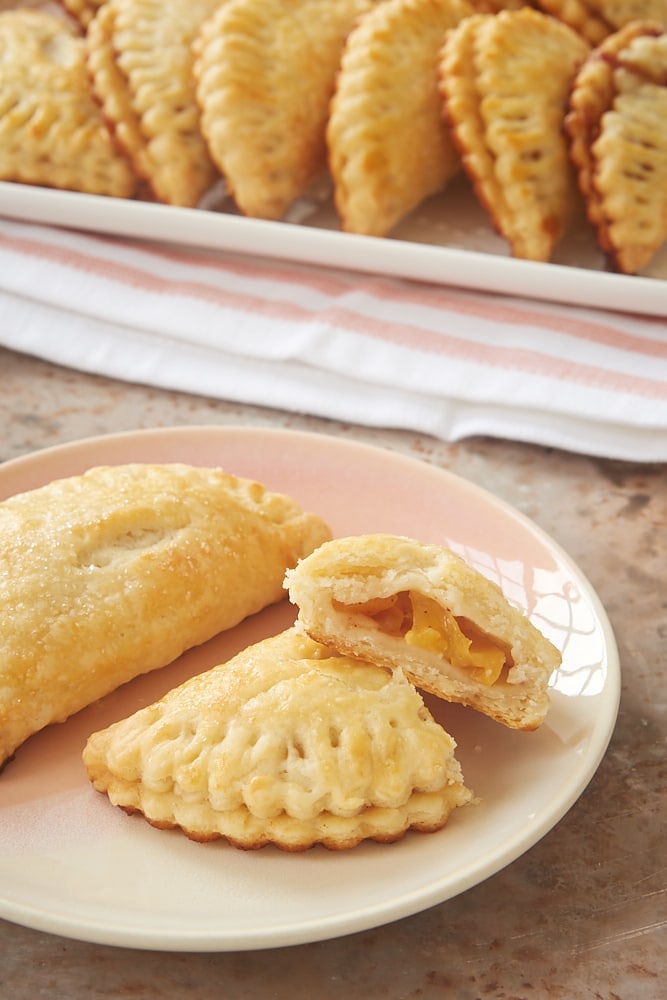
<point>116,572</point>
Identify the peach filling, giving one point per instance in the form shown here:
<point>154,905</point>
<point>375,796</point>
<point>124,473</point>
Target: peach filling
<point>423,622</point>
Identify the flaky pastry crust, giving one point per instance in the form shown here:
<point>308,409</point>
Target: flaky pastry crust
<point>615,123</point>
<point>504,80</point>
<point>139,57</point>
<point>114,573</point>
<point>51,130</point>
<point>595,20</point>
<point>286,744</point>
<point>266,70</point>
<point>388,146</point>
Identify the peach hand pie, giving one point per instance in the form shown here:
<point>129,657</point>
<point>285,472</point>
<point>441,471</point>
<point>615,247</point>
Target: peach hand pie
<point>594,20</point>
<point>116,572</point>
<point>421,608</point>
<point>286,744</point>
<point>388,146</point>
<point>616,123</point>
<point>266,71</point>
<point>51,130</point>
<point>82,11</point>
<point>140,63</point>
<point>504,81</point>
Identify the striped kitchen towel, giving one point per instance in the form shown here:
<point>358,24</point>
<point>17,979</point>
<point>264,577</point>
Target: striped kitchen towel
<point>370,349</point>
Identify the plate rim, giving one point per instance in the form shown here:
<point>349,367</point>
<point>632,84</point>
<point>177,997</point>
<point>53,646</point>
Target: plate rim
<point>379,913</point>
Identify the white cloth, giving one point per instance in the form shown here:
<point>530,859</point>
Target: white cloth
<point>371,350</point>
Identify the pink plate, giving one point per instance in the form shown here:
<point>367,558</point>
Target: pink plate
<point>72,864</point>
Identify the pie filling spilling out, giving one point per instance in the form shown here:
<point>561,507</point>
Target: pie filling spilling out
<point>406,604</point>
<point>422,622</point>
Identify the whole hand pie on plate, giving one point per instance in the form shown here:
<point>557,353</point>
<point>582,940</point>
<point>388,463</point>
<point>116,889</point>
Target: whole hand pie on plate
<point>616,124</point>
<point>140,63</point>
<point>51,130</point>
<point>388,146</point>
<point>266,71</point>
<point>287,744</point>
<point>111,574</point>
<point>400,603</point>
<point>504,80</point>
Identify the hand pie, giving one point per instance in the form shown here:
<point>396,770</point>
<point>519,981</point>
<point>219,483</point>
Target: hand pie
<point>594,20</point>
<point>51,130</point>
<point>388,145</point>
<point>286,744</point>
<point>111,574</point>
<point>140,64</point>
<point>504,81</point>
<point>82,11</point>
<point>266,71</point>
<point>615,121</point>
<point>420,608</point>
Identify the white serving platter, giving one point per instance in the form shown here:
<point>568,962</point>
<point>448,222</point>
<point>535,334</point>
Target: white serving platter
<point>448,240</point>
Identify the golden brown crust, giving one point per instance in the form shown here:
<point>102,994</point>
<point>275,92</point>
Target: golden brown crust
<point>340,588</point>
<point>286,744</point>
<point>82,11</point>
<point>504,81</point>
<point>115,573</point>
<point>51,129</point>
<point>617,108</point>
<point>595,20</point>
<point>266,71</point>
<point>495,6</point>
<point>579,16</point>
<point>140,64</point>
<point>388,145</point>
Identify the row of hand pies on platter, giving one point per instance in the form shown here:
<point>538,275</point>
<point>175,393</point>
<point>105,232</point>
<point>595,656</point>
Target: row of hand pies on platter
<point>318,735</point>
<point>393,97</point>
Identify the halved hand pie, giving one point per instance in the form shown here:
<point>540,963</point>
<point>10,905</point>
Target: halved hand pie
<point>111,574</point>
<point>504,81</point>
<point>286,744</point>
<point>616,125</point>
<point>420,608</point>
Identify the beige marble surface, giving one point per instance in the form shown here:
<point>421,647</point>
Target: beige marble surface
<point>581,914</point>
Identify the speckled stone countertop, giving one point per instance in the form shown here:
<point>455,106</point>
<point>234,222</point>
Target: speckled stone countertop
<point>584,912</point>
